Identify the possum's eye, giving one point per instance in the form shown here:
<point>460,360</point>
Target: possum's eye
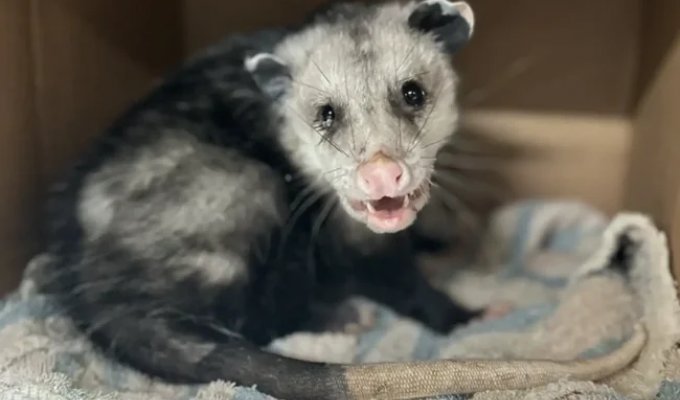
<point>326,116</point>
<point>414,94</point>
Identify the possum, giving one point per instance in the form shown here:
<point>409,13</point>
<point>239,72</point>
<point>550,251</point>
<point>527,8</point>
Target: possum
<point>274,175</point>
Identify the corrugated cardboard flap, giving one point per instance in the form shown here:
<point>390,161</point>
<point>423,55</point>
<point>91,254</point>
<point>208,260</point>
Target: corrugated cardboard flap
<point>654,177</point>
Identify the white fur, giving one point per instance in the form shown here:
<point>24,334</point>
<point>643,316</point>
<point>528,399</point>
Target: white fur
<point>457,8</point>
<point>215,267</point>
<point>174,189</point>
<point>95,211</point>
<point>252,62</point>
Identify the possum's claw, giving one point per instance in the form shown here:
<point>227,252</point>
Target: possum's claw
<point>496,311</point>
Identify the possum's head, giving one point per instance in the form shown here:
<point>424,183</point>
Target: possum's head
<point>368,97</point>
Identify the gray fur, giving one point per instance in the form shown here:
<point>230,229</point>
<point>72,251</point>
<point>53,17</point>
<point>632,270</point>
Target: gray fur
<point>157,196</point>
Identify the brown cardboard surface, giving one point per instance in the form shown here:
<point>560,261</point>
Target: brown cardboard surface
<point>206,21</point>
<point>93,58</point>
<point>578,55</point>
<point>572,156</point>
<point>660,27</point>
<point>68,67</point>
<point>674,233</point>
<point>557,56</point>
<point>18,155</point>
<point>654,176</point>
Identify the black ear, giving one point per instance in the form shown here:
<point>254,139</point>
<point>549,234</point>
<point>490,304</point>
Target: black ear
<point>451,23</point>
<point>270,73</point>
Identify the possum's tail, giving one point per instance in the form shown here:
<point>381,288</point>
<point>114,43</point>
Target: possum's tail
<point>190,359</point>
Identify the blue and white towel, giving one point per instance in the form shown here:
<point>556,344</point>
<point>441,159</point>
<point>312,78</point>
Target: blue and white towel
<point>554,261</point>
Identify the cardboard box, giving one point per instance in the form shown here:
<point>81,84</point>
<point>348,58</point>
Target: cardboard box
<point>589,91</point>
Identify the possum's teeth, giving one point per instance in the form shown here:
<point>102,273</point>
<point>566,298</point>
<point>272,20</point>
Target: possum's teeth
<point>407,201</point>
<point>370,206</point>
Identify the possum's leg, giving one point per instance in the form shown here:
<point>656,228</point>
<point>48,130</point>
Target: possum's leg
<point>394,279</point>
<point>348,316</point>
<point>414,297</point>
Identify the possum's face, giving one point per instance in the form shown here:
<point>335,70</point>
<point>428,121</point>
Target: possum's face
<point>367,95</point>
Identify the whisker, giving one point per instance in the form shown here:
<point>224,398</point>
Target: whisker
<point>320,71</point>
<point>323,215</point>
<point>307,85</point>
<point>401,133</point>
<point>469,164</point>
<point>436,142</point>
<point>332,171</point>
<point>414,141</point>
<point>335,178</point>
<point>316,229</point>
<point>427,168</point>
<point>324,138</point>
<point>351,120</point>
<point>406,58</point>
<point>297,213</point>
<point>455,204</point>
<point>412,76</point>
<point>302,196</point>
<point>473,185</point>
<point>514,71</point>
<point>460,144</point>
<point>354,141</point>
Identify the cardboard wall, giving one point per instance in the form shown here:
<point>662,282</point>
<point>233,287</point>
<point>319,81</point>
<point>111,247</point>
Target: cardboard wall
<point>92,58</point>
<point>654,178</point>
<point>551,56</point>
<point>558,155</point>
<point>653,184</point>
<point>19,164</point>
<point>660,23</point>
<point>68,67</point>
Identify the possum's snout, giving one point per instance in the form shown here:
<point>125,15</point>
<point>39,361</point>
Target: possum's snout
<point>382,176</point>
<point>390,198</point>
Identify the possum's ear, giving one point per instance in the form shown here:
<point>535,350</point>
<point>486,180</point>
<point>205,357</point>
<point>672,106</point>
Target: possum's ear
<point>270,73</point>
<point>451,23</point>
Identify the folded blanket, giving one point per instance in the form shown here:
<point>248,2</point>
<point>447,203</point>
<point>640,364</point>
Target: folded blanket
<point>578,282</point>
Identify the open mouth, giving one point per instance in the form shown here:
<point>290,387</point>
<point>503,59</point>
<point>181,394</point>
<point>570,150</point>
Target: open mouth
<point>390,214</point>
<point>386,205</point>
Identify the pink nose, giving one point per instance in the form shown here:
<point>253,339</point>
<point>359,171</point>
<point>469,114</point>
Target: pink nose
<point>381,177</point>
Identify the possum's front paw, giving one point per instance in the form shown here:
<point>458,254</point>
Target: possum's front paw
<point>496,311</point>
<point>440,313</point>
<point>351,316</point>
<point>459,316</point>
<point>365,319</point>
